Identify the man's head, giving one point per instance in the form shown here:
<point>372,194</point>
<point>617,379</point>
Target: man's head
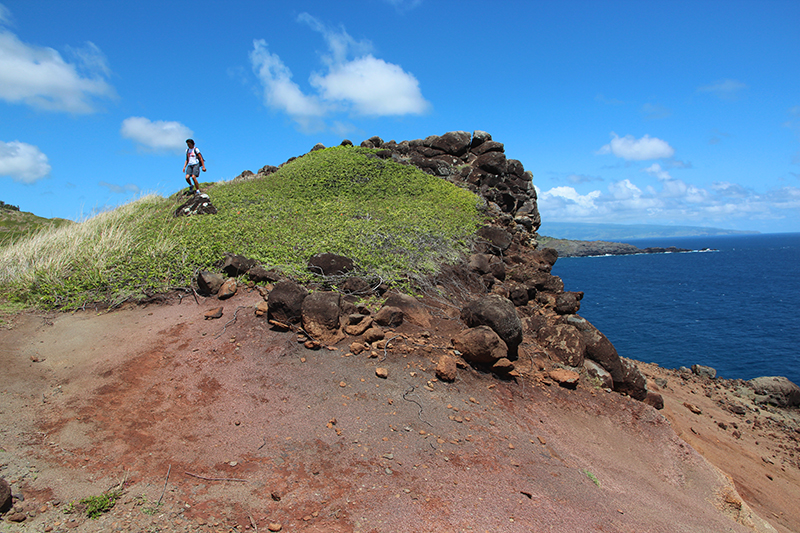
<point>190,143</point>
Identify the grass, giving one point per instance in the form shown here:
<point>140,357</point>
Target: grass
<point>393,220</point>
<point>592,477</point>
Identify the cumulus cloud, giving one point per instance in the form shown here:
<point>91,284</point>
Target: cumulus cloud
<point>352,81</point>
<point>724,89</point>
<point>632,149</point>
<point>41,78</point>
<point>23,162</point>
<point>155,135</point>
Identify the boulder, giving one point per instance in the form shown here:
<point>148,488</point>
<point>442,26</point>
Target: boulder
<point>492,162</point>
<point>321,313</point>
<point>499,314</point>
<point>599,374</point>
<point>497,239</point>
<point>480,345</point>
<point>236,265</point>
<point>478,138</point>
<point>228,289</point>
<point>286,302</point>
<point>5,495</point>
<point>778,390</point>
<point>453,142</point>
<point>413,311</point>
<point>704,371</point>
<point>479,263</point>
<point>374,334</point>
<point>654,399</point>
<point>446,368</point>
<point>568,303</point>
<point>209,282</point>
<point>360,326</point>
<point>565,378</point>
<point>487,147</point>
<point>389,316</point>
<point>356,285</point>
<point>259,274</point>
<point>330,264</point>
<point>626,376</point>
<point>563,343</point>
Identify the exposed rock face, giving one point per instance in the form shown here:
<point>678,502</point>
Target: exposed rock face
<point>498,313</point>
<point>777,390</point>
<point>197,204</point>
<point>474,161</point>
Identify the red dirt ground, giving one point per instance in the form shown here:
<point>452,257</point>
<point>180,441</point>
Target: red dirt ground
<point>254,430</point>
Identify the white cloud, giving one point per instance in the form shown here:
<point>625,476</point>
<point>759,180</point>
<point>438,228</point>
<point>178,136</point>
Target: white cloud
<point>724,89</point>
<point>5,15</point>
<point>280,92</point>
<point>120,189</point>
<point>373,87</point>
<point>632,149</point>
<point>364,85</point>
<point>22,162</point>
<point>723,204</point>
<point>658,172</point>
<point>41,78</point>
<point>158,135</point>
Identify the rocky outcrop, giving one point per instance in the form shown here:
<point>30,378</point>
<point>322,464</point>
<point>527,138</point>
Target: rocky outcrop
<point>776,390</point>
<point>197,204</point>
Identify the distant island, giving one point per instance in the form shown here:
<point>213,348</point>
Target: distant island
<point>621,232</point>
<point>572,248</point>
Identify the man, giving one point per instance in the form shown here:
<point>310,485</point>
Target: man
<point>194,160</point>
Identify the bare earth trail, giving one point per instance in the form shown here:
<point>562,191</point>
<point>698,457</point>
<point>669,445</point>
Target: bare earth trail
<point>255,430</point>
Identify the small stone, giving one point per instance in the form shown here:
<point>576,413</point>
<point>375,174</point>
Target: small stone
<point>382,372</point>
<point>274,526</point>
<point>342,384</point>
<point>565,378</point>
<point>213,313</point>
<point>693,408</point>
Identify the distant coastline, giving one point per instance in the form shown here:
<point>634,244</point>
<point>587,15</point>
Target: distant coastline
<point>574,248</point>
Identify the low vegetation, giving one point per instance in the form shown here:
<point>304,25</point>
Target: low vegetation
<point>393,220</point>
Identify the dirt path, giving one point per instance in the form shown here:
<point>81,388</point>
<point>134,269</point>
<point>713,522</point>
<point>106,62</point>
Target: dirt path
<point>256,430</point>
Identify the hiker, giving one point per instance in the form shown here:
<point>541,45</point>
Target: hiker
<point>194,160</point>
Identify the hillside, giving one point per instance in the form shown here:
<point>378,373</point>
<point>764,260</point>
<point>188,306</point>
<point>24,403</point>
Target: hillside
<point>16,224</point>
<point>361,339</point>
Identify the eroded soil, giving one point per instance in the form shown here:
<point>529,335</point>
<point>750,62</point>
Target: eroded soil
<point>234,426</point>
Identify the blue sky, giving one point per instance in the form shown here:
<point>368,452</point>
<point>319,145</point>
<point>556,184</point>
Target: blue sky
<point>681,113</point>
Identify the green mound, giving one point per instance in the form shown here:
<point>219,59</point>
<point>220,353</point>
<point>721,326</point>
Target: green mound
<point>393,220</point>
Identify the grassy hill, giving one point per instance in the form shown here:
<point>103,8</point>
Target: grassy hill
<point>16,225</point>
<point>393,220</point>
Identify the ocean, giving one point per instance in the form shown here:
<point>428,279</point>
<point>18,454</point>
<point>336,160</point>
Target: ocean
<point>734,309</point>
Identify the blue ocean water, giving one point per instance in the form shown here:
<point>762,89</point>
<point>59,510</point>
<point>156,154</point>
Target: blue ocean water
<point>734,309</point>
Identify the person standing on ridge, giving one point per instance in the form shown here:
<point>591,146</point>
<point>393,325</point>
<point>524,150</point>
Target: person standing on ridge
<point>194,160</point>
